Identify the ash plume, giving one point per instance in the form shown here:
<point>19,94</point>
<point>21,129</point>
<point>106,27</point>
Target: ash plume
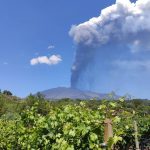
<point>121,30</point>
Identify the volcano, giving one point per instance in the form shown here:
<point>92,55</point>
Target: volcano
<point>71,93</point>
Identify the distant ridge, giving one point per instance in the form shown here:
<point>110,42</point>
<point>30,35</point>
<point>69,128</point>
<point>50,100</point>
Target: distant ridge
<point>71,93</point>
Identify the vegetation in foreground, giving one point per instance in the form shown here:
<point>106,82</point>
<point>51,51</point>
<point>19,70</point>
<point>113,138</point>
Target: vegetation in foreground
<point>37,124</point>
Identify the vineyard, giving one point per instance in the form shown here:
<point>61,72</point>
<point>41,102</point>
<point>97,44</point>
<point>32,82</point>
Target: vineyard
<point>37,124</point>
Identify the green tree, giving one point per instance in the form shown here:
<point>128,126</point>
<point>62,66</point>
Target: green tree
<point>6,92</point>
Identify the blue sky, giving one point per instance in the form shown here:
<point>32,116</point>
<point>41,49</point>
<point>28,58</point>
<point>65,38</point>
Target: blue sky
<point>34,28</point>
<point>27,28</point>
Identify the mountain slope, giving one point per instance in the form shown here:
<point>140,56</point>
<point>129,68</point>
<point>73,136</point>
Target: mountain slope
<point>63,92</point>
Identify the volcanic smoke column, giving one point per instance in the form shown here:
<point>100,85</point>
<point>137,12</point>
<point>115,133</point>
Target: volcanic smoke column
<point>124,25</point>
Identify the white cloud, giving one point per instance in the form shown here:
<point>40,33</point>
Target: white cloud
<point>51,47</point>
<point>133,64</point>
<point>5,63</point>
<point>52,60</point>
<point>122,22</point>
<point>73,68</point>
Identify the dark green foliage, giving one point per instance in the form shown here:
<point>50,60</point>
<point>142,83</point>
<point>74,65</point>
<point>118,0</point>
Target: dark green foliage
<point>6,92</point>
<point>36,123</point>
